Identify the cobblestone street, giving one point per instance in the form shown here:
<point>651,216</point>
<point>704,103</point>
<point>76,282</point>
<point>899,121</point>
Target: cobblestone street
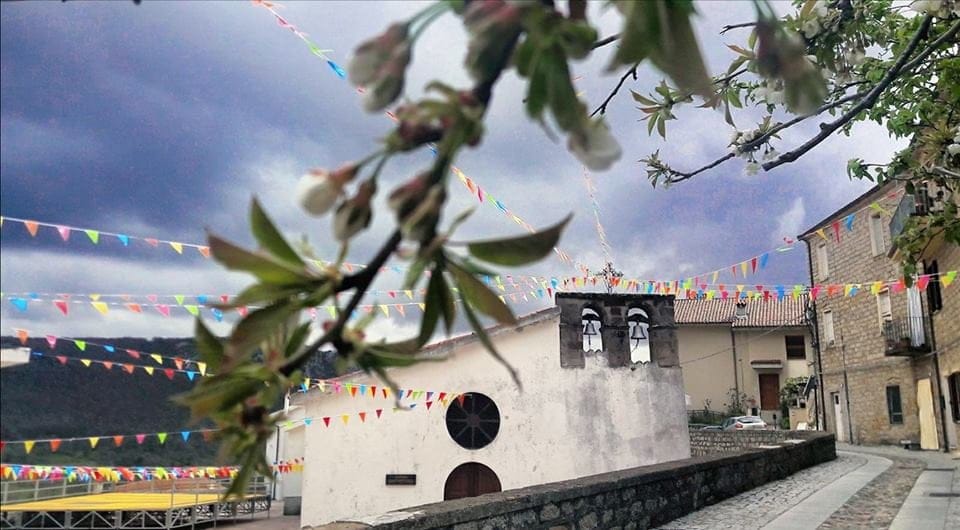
<point>895,495</point>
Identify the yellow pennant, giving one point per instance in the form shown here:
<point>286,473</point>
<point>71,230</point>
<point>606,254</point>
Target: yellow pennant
<point>94,297</point>
<point>148,369</point>
<point>345,418</point>
<point>156,357</point>
<point>28,446</point>
<point>822,234</point>
<point>743,268</point>
<point>203,368</point>
<point>86,362</point>
<point>177,246</point>
<point>101,307</point>
<point>385,309</point>
<point>94,440</point>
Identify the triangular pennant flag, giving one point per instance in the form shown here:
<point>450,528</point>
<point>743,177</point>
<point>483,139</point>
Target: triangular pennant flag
<point>169,373</point>
<point>345,418</point>
<point>192,309</point>
<point>81,344</point>
<point>85,362</point>
<point>64,232</point>
<point>109,348</point>
<point>94,440</point>
<point>118,440</point>
<point>52,341</point>
<point>177,246</point>
<point>428,404</point>
<point>204,251</point>
<point>948,278</point>
<point>162,436</point>
<point>129,368</point>
<point>822,234</point>
<point>107,364</point>
<point>152,242</point>
<point>101,307</point>
<point>178,362</point>
<point>848,222</point>
<point>836,230</point>
<point>61,305</point>
<point>148,369</point>
<point>20,304</point>
<point>922,281</point>
<point>203,368</point>
<point>363,417</point>
<point>28,446</point>
<point>32,227</point>
<point>133,353</point>
<point>191,374</point>
<point>164,309</point>
<point>307,421</point>
<point>54,445</point>
<point>379,412</point>
<point>179,298</point>
<point>140,438</point>
<point>134,307</point>
<point>385,309</point>
<point>93,235</point>
<point>185,435</point>
<point>22,335</point>
<point>125,240</point>
<point>352,389</point>
<point>460,399</point>
<point>156,357</point>
<point>326,421</point>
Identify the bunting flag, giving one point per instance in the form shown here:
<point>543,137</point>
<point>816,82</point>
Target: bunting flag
<point>598,225</point>
<point>77,473</point>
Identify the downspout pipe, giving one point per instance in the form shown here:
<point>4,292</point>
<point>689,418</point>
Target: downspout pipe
<point>733,348</point>
<point>822,412</point>
<point>936,370</point>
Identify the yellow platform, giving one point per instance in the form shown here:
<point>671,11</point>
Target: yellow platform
<point>114,502</point>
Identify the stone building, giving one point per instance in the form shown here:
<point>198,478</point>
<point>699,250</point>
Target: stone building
<point>884,361</point>
<point>585,408</point>
<point>743,350</point>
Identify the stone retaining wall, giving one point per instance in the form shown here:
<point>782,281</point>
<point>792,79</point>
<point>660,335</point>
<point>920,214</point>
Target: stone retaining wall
<point>631,499</point>
<point>711,442</point>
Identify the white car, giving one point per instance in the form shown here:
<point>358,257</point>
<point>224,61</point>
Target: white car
<point>743,423</point>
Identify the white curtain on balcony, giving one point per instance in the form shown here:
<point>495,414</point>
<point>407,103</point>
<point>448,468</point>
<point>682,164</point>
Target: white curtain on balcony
<point>915,312</point>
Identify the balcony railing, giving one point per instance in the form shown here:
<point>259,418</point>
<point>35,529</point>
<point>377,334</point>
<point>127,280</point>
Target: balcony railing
<point>907,336</point>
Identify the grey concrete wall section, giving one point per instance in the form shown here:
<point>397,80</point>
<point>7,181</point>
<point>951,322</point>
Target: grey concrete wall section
<point>613,310</point>
<point>636,498</point>
<point>711,442</point>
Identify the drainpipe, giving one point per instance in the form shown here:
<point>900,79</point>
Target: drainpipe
<point>846,381</point>
<point>733,346</point>
<point>821,390</point>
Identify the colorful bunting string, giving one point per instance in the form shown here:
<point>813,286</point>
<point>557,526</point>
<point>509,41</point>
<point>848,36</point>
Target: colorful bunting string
<point>601,232</point>
<point>112,474</point>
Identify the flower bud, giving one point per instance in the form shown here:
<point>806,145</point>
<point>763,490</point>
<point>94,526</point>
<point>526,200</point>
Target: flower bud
<point>317,191</point>
<point>354,214</point>
<point>594,146</point>
<point>404,199</point>
<point>370,57</point>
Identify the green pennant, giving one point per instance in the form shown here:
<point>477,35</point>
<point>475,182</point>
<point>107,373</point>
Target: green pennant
<point>192,309</point>
<point>81,344</point>
<point>162,436</point>
<point>93,235</point>
<point>179,298</point>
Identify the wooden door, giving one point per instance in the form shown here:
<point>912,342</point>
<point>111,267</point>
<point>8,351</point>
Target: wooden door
<point>928,420</point>
<point>469,480</point>
<point>769,391</point>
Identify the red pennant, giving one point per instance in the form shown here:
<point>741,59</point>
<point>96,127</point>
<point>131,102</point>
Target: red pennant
<point>899,286</point>
<point>363,416</point>
<point>61,305</point>
<point>23,335</point>
<point>326,421</point>
<point>133,353</point>
<point>384,390</point>
<point>128,368</point>
<point>117,440</point>
<point>379,412</point>
<point>429,403</point>
<point>460,399</point>
<point>164,309</point>
<point>32,227</point>
<point>62,359</point>
<point>242,310</point>
<point>152,242</point>
<point>205,251</point>
<point>224,298</point>
<point>169,373</point>
<point>140,438</point>
<point>353,391</point>
<point>54,445</point>
<point>2,445</point>
<point>753,264</point>
<point>441,396</point>
<point>153,298</point>
<point>135,308</point>
<point>107,364</point>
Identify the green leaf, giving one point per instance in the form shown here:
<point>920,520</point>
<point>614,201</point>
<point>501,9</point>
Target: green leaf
<point>639,98</point>
<point>260,293</point>
<point>448,307</point>
<point>414,272</point>
<point>432,307</point>
<point>478,295</point>
<point>258,325</point>
<point>651,123</point>
<point>269,237</point>
<point>488,344</point>
<point>297,339</point>
<point>209,346</point>
<point>678,53</point>
<point>262,266</point>
<point>520,250</point>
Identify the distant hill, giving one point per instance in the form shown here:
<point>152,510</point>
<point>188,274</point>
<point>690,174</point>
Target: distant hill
<point>45,399</point>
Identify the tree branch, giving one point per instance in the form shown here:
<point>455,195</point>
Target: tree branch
<point>827,129</point>
<point>603,42</point>
<point>728,27</point>
<point>602,109</point>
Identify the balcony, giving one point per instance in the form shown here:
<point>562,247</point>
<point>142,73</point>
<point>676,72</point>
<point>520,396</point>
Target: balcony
<point>906,336</point>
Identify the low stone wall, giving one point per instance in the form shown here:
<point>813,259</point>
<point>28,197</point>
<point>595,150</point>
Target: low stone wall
<point>636,498</point>
<point>712,442</point>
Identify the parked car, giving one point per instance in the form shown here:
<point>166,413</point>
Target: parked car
<point>712,428</point>
<point>743,422</point>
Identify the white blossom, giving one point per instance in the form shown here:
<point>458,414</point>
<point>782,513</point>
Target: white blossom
<point>317,192</point>
<point>810,28</point>
<point>954,149</point>
<point>595,146</point>
<point>751,169</point>
<point>927,7</point>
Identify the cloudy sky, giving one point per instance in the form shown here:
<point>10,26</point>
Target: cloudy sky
<point>161,120</point>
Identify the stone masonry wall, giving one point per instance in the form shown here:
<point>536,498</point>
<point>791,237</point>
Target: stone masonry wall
<point>946,325</point>
<point>713,442</point>
<point>631,499</point>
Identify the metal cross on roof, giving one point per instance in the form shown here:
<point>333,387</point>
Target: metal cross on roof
<point>610,276</point>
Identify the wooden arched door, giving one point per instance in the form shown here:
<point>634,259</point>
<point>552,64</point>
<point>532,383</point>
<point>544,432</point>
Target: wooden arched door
<point>469,480</point>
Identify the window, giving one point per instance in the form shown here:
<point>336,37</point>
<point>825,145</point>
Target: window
<point>876,235</point>
<point>796,347</point>
<point>823,263</point>
<point>953,386</point>
<point>884,312</point>
<point>474,421</point>
<point>894,407</point>
<point>828,334</point>
<point>934,298</point>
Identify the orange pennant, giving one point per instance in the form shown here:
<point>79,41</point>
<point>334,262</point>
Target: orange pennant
<point>32,227</point>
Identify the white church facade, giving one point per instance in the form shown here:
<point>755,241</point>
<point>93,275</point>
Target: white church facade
<point>578,412</point>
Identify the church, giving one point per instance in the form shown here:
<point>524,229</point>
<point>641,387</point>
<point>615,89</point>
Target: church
<point>601,391</point>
